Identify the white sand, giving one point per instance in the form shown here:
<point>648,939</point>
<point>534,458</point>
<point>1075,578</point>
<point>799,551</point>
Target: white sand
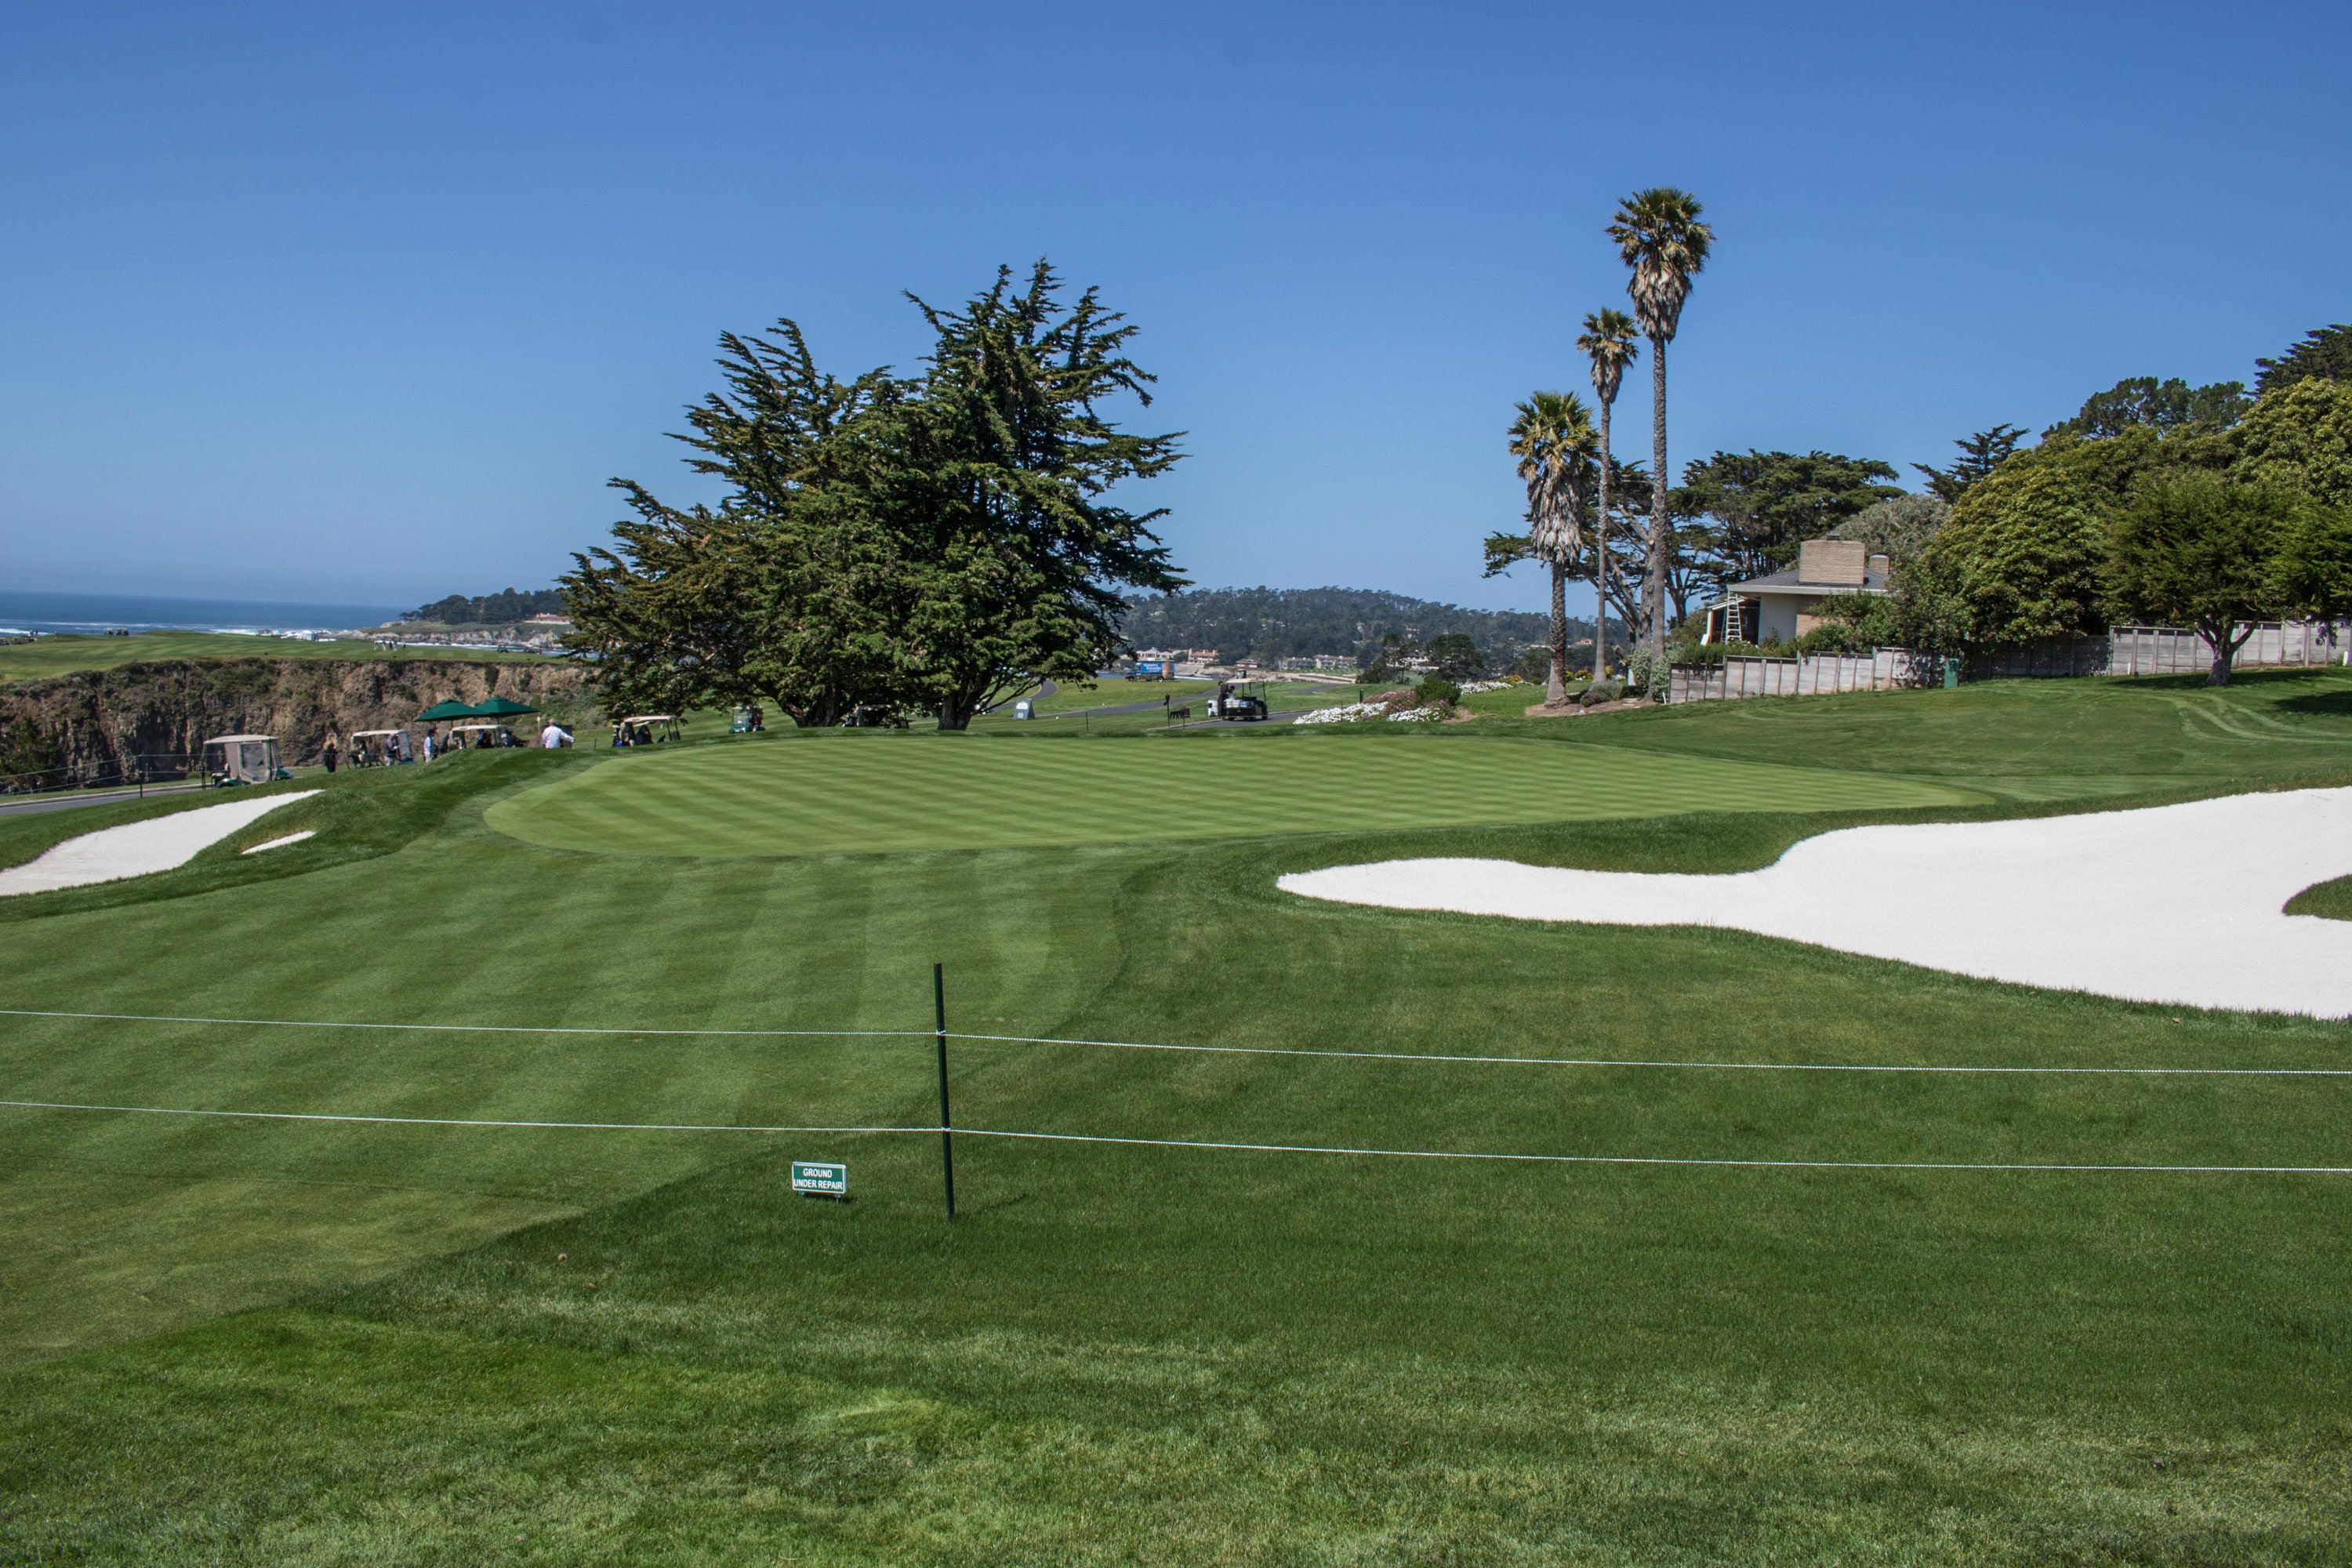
<point>280,843</point>
<point>2178,904</point>
<point>136,848</point>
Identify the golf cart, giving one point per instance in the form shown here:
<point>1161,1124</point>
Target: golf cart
<point>1235,706</point>
<point>645,730</point>
<point>481,737</point>
<point>751,720</point>
<point>372,748</point>
<point>243,760</point>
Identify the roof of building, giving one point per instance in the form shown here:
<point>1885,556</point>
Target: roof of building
<point>1787,581</point>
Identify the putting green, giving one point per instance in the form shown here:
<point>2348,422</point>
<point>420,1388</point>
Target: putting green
<point>853,794</point>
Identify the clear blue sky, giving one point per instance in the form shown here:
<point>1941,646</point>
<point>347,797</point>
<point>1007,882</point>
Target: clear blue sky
<point>368,302</point>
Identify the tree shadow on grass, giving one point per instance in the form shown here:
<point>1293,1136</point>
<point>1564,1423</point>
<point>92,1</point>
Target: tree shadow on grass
<point>2326,704</point>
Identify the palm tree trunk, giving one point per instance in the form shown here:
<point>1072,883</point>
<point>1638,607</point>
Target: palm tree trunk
<point>1601,560</point>
<point>1653,583</point>
<point>1556,688</point>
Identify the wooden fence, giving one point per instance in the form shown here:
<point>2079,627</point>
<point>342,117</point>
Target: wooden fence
<point>2125,651</point>
<point>1877,670</point>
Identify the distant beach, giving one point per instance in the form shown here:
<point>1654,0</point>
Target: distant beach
<point>55,613</point>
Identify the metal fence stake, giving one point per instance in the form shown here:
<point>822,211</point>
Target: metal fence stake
<point>947,1136</point>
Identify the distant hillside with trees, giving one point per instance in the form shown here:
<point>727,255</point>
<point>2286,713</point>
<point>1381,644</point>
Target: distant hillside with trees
<point>501,608</point>
<point>1268,624</point>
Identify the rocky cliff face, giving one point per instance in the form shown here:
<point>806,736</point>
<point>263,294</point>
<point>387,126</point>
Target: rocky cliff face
<point>102,722</point>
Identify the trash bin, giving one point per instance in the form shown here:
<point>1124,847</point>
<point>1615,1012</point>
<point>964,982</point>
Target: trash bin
<point>1951,674</point>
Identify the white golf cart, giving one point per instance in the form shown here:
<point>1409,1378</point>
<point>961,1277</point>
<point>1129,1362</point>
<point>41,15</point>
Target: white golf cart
<point>243,760</point>
<point>646,729</point>
<point>376,748</point>
<point>481,737</point>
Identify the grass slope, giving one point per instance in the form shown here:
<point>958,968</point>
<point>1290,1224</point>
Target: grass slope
<point>65,655</point>
<point>898,792</point>
<point>2020,739</point>
<point>1125,1353</point>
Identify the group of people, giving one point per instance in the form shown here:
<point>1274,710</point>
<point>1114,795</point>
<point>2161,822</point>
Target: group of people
<point>392,747</point>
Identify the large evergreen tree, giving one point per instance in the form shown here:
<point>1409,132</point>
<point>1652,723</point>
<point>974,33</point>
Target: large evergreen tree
<point>2193,548</point>
<point>888,543</point>
<point>789,591</point>
<point>2324,352</point>
<point>2159,405</point>
<point>1006,459</point>
<point>1981,454</point>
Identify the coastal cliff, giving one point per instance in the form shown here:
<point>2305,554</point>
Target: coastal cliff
<point>102,722</point>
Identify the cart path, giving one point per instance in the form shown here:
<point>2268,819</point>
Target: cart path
<point>67,801</point>
<point>139,848</point>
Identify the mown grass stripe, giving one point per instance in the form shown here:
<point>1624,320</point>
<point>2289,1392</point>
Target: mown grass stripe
<point>849,796</point>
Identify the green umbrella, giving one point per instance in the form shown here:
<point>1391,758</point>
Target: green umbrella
<point>501,708</point>
<point>452,709</point>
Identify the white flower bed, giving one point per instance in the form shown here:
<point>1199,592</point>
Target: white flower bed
<point>1347,715</point>
<point>1356,712</point>
<point>1476,686</point>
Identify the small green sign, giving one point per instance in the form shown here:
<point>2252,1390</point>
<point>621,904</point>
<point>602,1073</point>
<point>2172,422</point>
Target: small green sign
<point>813,1179</point>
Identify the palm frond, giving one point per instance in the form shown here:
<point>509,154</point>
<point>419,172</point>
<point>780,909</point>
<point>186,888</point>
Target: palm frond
<point>1660,237</point>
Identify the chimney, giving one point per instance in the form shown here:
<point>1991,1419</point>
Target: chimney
<point>1832,562</point>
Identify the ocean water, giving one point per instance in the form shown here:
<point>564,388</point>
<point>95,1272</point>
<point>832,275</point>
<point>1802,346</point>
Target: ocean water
<point>50,613</point>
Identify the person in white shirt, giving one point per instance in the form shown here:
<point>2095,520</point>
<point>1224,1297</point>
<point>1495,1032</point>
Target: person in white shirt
<point>554,736</point>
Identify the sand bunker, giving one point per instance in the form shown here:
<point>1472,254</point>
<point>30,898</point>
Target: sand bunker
<point>136,848</point>
<point>2178,904</point>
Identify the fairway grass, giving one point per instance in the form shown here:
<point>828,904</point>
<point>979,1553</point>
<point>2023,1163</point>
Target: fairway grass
<point>283,1341</point>
<point>65,654</point>
<point>901,792</point>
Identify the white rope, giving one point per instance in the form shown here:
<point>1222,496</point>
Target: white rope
<point>1662,1159</point>
<point>1204,1144</point>
<point>447,1121</point>
<point>447,1029</point>
<point>1222,1050</point>
<point>1694,1067</point>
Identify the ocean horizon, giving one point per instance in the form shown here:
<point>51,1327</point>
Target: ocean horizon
<point>23,611</point>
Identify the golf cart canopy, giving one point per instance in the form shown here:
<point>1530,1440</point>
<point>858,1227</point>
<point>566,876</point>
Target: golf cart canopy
<point>652,719</point>
<point>243,758</point>
<point>373,735</point>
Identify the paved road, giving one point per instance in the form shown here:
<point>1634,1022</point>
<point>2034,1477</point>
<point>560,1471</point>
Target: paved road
<point>64,802</point>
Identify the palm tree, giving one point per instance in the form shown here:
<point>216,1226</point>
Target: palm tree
<point>1553,440</point>
<point>1608,343</point>
<point>1659,236</point>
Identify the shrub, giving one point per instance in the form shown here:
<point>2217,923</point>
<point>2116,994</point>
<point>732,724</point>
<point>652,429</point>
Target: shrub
<point>1436,691</point>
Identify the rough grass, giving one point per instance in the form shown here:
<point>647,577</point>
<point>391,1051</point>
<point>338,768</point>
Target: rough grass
<point>1124,1354</point>
<point>64,655</point>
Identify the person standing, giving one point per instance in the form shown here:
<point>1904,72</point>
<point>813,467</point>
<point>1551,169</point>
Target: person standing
<point>332,755</point>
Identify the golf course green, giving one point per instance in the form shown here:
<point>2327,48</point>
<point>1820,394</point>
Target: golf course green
<point>947,791</point>
<point>548,1297</point>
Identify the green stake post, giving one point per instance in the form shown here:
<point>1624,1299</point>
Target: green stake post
<point>947,1137</point>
